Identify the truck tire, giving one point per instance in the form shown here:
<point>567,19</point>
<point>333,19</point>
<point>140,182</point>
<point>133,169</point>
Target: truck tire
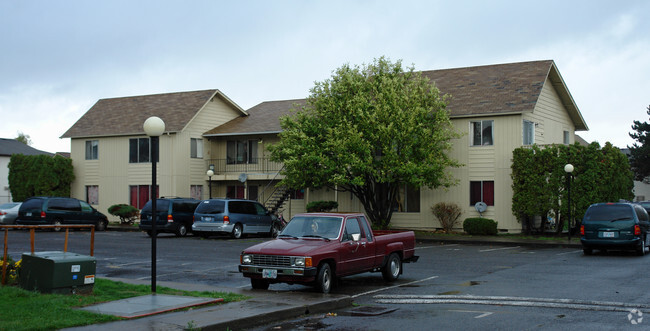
<point>259,284</point>
<point>393,268</point>
<point>325,278</point>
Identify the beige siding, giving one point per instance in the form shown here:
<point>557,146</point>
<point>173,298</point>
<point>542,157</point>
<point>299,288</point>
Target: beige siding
<point>551,118</point>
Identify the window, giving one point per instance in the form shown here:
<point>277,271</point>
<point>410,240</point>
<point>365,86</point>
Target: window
<point>241,151</point>
<point>408,199</point>
<point>92,194</point>
<point>140,194</point>
<point>235,192</point>
<point>481,191</point>
<point>92,149</point>
<point>529,132</point>
<point>566,138</point>
<point>139,150</point>
<point>297,194</point>
<point>196,192</point>
<point>481,133</point>
<point>196,148</point>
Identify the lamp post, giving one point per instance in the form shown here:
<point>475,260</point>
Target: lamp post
<point>153,127</point>
<point>568,168</point>
<point>210,173</point>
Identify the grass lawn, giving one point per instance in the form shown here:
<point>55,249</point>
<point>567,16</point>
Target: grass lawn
<point>26,310</point>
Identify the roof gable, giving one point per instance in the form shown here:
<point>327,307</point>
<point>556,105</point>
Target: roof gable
<point>262,119</point>
<point>125,115</point>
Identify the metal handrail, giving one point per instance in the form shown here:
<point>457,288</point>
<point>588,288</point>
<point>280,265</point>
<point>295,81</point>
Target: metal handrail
<point>32,232</point>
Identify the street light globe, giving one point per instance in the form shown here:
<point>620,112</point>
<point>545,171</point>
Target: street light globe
<point>154,126</point>
<point>210,173</point>
<point>568,168</point>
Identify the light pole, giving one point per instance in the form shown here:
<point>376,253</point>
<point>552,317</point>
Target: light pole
<point>153,127</point>
<point>210,173</point>
<point>568,168</point>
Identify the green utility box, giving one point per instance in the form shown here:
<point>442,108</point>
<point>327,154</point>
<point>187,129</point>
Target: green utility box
<point>58,272</point>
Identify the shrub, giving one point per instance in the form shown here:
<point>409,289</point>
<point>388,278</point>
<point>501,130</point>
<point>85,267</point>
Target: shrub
<point>12,270</point>
<point>447,213</point>
<point>127,213</point>
<point>321,206</point>
<point>480,226</point>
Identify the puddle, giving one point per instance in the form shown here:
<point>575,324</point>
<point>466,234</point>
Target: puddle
<point>449,293</point>
<point>471,283</point>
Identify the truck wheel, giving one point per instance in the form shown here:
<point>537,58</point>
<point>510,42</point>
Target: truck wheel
<point>325,278</point>
<point>259,284</point>
<point>392,268</point>
<point>237,231</point>
<point>181,231</point>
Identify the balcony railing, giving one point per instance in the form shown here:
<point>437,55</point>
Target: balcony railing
<point>257,165</point>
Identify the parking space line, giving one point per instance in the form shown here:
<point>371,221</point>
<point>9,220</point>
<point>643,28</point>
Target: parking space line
<point>392,287</point>
<point>566,253</point>
<point>497,249</point>
<point>441,246</point>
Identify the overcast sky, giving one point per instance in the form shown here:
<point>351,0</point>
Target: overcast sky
<point>57,58</point>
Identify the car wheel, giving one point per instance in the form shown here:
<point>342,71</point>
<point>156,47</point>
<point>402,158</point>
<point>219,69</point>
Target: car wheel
<point>58,224</point>
<point>101,225</point>
<point>640,251</point>
<point>237,231</point>
<point>275,230</point>
<point>181,231</point>
<point>259,284</point>
<point>587,251</point>
<point>392,268</point>
<point>325,278</point>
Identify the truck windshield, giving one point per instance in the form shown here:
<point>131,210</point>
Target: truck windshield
<point>313,226</point>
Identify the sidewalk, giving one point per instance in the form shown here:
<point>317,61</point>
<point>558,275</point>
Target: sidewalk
<point>268,306</point>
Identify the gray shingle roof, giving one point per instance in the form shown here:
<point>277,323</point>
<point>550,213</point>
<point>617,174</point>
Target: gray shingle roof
<point>475,91</point>
<point>10,147</point>
<point>125,115</point>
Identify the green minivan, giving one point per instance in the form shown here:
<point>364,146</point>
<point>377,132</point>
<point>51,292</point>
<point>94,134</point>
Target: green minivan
<point>616,226</point>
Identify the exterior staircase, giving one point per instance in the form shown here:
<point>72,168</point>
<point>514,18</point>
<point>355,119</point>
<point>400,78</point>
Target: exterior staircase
<point>277,199</point>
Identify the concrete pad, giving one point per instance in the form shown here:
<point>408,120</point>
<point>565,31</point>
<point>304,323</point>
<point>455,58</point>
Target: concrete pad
<point>148,305</point>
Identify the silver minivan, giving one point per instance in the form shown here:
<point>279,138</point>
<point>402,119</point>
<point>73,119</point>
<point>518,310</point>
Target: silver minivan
<point>234,217</point>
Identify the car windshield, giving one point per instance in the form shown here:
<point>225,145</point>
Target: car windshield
<point>610,213</point>
<point>161,206</point>
<point>313,226</point>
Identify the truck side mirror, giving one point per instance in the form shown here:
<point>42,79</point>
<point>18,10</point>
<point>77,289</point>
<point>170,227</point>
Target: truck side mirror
<point>356,236</point>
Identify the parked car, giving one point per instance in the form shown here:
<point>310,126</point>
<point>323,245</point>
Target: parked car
<point>59,211</point>
<point>9,212</point>
<point>645,205</point>
<point>317,248</point>
<point>174,215</point>
<point>235,217</point>
<point>618,226</point>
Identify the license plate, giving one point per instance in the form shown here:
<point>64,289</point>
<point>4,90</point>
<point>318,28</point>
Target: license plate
<point>28,214</point>
<point>609,234</point>
<point>207,219</point>
<point>269,273</point>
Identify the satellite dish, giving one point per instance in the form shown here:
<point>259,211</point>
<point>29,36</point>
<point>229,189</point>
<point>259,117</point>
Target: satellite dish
<point>242,177</point>
<point>481,207</point>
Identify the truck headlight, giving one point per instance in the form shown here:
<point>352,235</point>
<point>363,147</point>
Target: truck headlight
<point>301,261</point>
<point>246,259</point>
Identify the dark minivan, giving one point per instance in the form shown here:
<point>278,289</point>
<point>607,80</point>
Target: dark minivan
<point>617,226</point>
<point>175,215</point>
<point>58,211</point>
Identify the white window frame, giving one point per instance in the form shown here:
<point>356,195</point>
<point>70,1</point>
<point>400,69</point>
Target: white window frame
<point>196,148</point>
<point>528,135</point>
<point>92,149</point>
<point>485,141</point>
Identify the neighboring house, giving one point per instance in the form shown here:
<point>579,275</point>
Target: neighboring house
<point>8,147</point>
<point>497,108</point>
<point>641,188</point>
<point>111,154</point>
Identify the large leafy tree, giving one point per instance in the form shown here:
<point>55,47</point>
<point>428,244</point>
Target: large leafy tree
<point>640,151</point>
<point>367,130</point>
<point>32,175</point>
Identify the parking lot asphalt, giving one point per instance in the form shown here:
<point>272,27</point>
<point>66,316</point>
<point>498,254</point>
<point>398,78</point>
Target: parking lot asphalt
<point>263,307</point>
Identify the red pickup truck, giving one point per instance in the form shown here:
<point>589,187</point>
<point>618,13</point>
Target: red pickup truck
<point>317,248</point>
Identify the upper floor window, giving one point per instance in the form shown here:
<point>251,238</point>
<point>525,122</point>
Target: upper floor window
<point>482,133</point>
<point>566,138</point>
<point>529,132</point>
<point>92,149</point>
<point>196,148</point>
<point>139,151</point>
<point>241,151</point>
